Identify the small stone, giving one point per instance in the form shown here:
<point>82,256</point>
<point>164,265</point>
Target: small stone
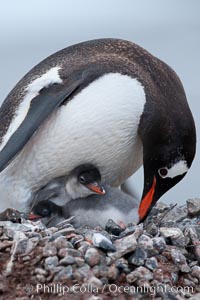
<point>151,263</point>
<point>92,257</point>
<point>83,247</point>
<point>5,244</point>
<point>139,273</point>
<point>68,260</point>
<point>152,229</point>
<point>69,252</point>
<point>122,265</point>
<point>113,228</point>
<point>124,245</point>
<point>51,262</point>
<point>100,241</point>
<point>180,260</point>
<point>64,275</point>
<point>175,234</point>
<point>66,231</point>
<point>192,237</point>
<point>24,246</point>
<point>113,273</point>
<point>79,261</point>
<point>41,278</point>
<point>193,207</point>
<point>61,242</point>
<point>139,257</point>
<point>170,232</point>
<point>26,258</point>
<point>129,230</point>
<point>159,244</point>
<point>40,271</point>
<point>94,281</point>
<point>82,273</point>
<point>49,250</point>
<point>146,243</point>
<point>100,270</point>
<point>195,272</point>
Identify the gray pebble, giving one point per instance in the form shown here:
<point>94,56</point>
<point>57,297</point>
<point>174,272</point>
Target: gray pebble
<point>68,260</point>
<point>69,252</point>
<point>123,246</point>
<point>49,250</point>
<point>61,242</point>
<point>139,257</point>
<point>180,260</point>
<point>64,275</point>
<point>139,273</point>
<point>151,263</point>
<point>50,263</point>
<point>92,257</point>
<point>159,244</point>
<point>193,206</point>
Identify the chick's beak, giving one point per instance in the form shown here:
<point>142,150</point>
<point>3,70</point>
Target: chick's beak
<point>96,188</point>
<point>33,216</point>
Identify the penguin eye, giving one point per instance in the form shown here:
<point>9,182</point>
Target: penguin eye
<point>45,212</point>
<point>163,172</point>
<point>82,179</point>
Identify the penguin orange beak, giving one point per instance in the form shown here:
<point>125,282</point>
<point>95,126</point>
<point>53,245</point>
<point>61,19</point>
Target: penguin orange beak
<point>33,216</point>
<point>96,188</point>
<point>147,201</point>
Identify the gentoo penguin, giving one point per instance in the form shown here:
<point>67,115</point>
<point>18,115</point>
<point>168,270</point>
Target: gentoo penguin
<point>94,210</point>
<point>107,102</point>
<point>83,181</point>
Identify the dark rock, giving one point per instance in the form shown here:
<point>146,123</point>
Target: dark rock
<point>139,257</point>
<point>159,244</point>
<point>113,228</point>
<point>151,263</point>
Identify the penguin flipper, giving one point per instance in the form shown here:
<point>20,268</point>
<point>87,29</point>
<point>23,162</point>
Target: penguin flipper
<point>41,107</point>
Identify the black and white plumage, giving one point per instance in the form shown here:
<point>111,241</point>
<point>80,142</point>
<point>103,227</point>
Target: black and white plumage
<point>106,102</point>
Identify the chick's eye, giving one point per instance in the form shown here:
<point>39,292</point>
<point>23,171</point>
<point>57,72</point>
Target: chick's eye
<point>163,172</point>
<point>81,179</point>
<point>45,212</point>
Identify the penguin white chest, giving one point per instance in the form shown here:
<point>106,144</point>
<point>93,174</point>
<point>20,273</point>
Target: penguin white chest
<point>99,126</point>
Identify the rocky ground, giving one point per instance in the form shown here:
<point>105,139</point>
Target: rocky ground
<point>155,260</point>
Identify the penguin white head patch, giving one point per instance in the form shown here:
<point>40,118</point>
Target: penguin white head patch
<point>177,169</point>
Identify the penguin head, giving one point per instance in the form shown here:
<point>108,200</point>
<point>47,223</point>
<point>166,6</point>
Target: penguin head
<point>44,208</point>
<point>166,161</point>
<point>84,181</point>
<point>49,212</point>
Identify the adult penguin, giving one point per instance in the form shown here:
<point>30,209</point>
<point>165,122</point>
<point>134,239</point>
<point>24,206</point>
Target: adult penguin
<point>105,102</point>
